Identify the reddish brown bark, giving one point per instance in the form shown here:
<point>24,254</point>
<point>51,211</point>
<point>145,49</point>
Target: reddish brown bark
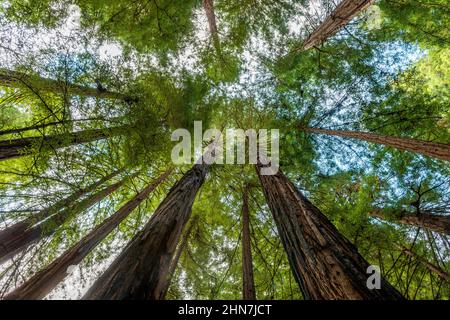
<point>14,79</point>
<point>16,148</point>
<point>324,263</point>
<point>344,12</point>
<point>16,243</point>
<point>46,280</point>
<point>431,149</point>
<point>140,271</point>
<point>437,223</point>
<point>248,283</point>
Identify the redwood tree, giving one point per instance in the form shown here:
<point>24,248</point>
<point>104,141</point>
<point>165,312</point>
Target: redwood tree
<point>47,279</point>
<point>14,243</point>
<point>431,149</point>
<point>248,283</point>
<point>324,263</point>
<point>142,268</point>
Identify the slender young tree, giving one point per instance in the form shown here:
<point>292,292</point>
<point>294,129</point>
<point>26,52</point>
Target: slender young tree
<point>248,283</point>
<point>324,263</point>
<point>344,12</point>
<point>180,249</point>
<point>432,222</point>
<point>208,6</point>
<point>47,279</point>
<point>10,149</point>
<point>15,79</point>
<point>16,243</point>
<point>431,149</point>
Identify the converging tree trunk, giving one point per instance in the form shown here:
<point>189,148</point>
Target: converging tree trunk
<point>248,283</point>
<point>208,6</point>
<point>46,280</point>
<point>141,269</point>
<point>173,265</point>
<point>10,149</point>
<point>324,263</point>
<point>432,222</point>
<point>14,79</point>
<point>344,12</point>
<point>17,242</point>
<point>433,268</point>
<point>431,149</point>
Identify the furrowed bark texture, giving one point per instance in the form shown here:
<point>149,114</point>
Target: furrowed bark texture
<point>19,242</point>
<point>431,149</point>
<point>324,263</point>
<point>432,222</point>
<point>10,149</point>
<point>141,269</point>
<point>341,16</point>
<point>248,290</point>
<point>46,280</point>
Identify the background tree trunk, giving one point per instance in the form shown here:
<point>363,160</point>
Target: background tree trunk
<point>208,6</point>
<point>46,280</point>
<point>431,149</point>
<point>432,222</point>
<point>16,148</point>
<point>20,227</point>
<point>248,290</point>
<point>14,79</point>
<point>141,269</point>
<point>19,242</point>
<point>324,263</point>
<point>344,12</point>
<point>433,268</point>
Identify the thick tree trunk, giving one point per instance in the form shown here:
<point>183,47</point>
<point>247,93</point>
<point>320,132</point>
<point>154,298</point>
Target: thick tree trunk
<point>324,263</point>
<point>248,283</point>
<point>437,223</point>
<point>16,243</point>
<point>46,280</point>
<point>14,79</point>
<point>431,149</point>
<point>140,271</point>
<point>16,148</point>
<point>433,268</point>
<point>176,259</point>
<point>208,6</point>
<point>344,12</point>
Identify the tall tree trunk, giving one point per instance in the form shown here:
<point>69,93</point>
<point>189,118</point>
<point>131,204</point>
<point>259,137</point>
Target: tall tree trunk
<point>433,268</point>
<point>324,263</point>
<point>436,223</point>
<point>176,259</point>
<point>16,148</point>
<point>141,269</point>
<point>208,6</point>
<point>344,12</point>
<point>46,280</point>
<point>17,242</point>
<point>248,283</point>
<point>14,79</point>
<point>431,149</point>
<point>15,230</point>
